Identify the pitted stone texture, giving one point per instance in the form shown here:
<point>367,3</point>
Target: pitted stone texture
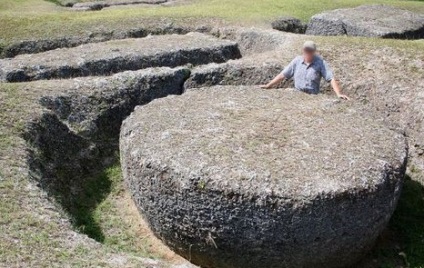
<point>252,178</point>
<point>77,133</point>
<point>370,21</point>
<point>96,106</point>
<point>119,55</point>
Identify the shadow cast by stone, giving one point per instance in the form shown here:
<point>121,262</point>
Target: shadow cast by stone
<point>67,167</point>
<point>401,242</point>
<point>408,222</point>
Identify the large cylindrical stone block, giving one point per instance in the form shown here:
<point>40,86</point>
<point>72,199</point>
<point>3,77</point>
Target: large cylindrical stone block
<point>239,177</point>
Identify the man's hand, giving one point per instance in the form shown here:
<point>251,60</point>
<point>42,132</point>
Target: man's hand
<point>343,97</point>
<point>336,88</point>
<point>274,82</point>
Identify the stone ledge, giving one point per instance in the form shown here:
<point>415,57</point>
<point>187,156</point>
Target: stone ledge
<point>119,55</point>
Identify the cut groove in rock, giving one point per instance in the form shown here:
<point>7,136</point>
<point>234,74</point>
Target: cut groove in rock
<point>78,135</point>
<point>249,178</point>
<point>119,55</point>
<point>156,27</point>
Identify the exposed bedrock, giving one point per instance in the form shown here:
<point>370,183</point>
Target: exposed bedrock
<point>370,21</point>
<point>78,133</point>
<point>289,24</point>
<point>249,178</point>
<point>158,27</point>
<point>119,55</point>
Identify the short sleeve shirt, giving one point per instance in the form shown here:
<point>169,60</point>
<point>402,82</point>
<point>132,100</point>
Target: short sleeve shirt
<point>307,77</point>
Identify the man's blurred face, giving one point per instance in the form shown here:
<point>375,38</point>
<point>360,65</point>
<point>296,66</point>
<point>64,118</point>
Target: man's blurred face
<point>308,54</point>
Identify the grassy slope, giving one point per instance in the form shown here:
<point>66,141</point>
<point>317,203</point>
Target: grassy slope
<point>29,19</point>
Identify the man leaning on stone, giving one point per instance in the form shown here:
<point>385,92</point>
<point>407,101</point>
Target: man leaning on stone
<point>307,71</point>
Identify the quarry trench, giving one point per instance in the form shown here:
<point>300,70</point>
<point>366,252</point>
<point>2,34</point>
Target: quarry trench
<point>77,135</point>
<point>75,138</point>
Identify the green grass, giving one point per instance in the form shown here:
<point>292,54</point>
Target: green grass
<point>102,213</point>
<point>402,244</point>
<point>408,223</point>
<point>92,197</point>
<point>29,19</point>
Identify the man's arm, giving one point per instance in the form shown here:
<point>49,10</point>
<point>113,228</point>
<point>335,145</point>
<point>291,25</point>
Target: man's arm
<point>287,73</point>
<point>336,87</point>
<point>277,80</point>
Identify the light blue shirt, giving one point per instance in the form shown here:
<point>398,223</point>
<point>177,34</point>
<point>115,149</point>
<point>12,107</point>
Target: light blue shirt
<point>306,77</point>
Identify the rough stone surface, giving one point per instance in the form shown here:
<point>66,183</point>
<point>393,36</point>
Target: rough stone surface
<point>79,133</point>
<point>119,55</point>
<point>158,26</point>
<point>238,72</point>
<point>370,21</point>
<point>249,178</point>
<point>289,24</point>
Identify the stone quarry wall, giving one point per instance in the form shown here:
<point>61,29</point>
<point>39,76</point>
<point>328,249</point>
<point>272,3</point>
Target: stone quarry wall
<point>78,132</point>
<point>78,135</point>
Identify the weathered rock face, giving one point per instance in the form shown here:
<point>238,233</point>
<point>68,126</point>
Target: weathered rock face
<point>117,56</point>
<point>370,21</point>
<point>78,133</point>
<point>240,72</point>
<point>158,26</point>
<point>250,178</point>
<point>289,24</point>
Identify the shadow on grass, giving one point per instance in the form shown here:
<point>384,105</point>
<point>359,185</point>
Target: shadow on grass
<point>408,223</point>
<point>402,244</point>
<point>82,209</point>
